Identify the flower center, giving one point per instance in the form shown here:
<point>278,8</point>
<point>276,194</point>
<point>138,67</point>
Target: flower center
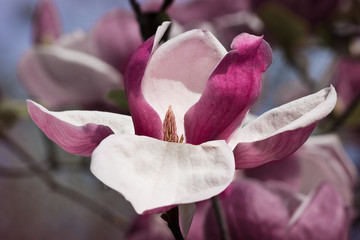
<point>169,128</point>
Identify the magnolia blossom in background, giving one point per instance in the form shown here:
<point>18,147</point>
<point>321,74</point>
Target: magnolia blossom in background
<point>67,69</point>
<point>274,212</point>
<point>256,210</point>
<point>187,98</point>
<point>321,159</point>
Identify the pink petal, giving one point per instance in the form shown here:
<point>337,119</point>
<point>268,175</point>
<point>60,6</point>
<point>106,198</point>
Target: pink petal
<point>117,35</point>
<point>282,130</point>
<point>231,90</point>
<point>60,76</point>
<point>287,170</point>
<point>322,216</point>
<point>151,173</point>
<point>78,132</point>
<point>146,120</point>
<point>39,84</point>
<point>149,227</point>
<point>322,158</point>
<point>178,71</point>
<point>78,40</point>
<point>252,212</point>
<point>46,23</point>
<point>186,215</point>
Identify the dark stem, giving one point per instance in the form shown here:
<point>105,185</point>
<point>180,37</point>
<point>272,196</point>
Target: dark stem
<point>42,173</point>
<point>166,4</point>
<point>220,217</point>
<point>136,7</point>
<point>172,219</point>
<point>341,120</point>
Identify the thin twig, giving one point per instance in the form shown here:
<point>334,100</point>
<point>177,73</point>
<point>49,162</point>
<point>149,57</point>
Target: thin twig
<point>220,217</point>
<point>166,4</point>
<point>136,7</point>
<point>42,173</point>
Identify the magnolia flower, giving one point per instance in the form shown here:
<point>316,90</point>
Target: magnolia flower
<point>62,70</point>
<point>272,212</point>
<point>187,98</point>
<point>321,158</point>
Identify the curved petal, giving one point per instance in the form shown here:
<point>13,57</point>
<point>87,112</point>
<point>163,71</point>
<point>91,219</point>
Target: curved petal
<point>282,130</point>
<point>80,78</point>
<point>78,132</point>
<point>116,36</point>
<point>146,120</point>
<point>186,215</point>
<point>230,92</point>
<point>252,212</point>
<point>78,40</point>
<point>39,84</point>
<point>323,158</point>
<point>46,23</point>
<point>286,170</point>
<point>151,173</point>
<point>178,71</point>
<point>322,216</point>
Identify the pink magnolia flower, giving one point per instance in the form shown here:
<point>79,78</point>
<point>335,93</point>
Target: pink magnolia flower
<point>62,70</point>
<point>256,211</point>
<point>188,89</point>
<point>248,204</point>
<point>320,159</point>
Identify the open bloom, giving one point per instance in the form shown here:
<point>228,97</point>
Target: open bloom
<point>193,94</point>
<point>68,69</point>
<point>280,213</point>
<point>321,159</point>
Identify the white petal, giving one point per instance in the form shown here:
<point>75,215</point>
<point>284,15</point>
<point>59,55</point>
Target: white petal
<point>78,72</point>
<point>151,173</point>
<point>178,72</point>
<point>291,116</point>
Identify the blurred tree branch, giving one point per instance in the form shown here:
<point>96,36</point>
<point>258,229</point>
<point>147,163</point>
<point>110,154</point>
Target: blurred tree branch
<point>43,173</point>
<point>8,172</point>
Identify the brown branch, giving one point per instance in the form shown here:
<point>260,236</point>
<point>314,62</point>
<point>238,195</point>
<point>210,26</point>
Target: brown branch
<point>42,173</point>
